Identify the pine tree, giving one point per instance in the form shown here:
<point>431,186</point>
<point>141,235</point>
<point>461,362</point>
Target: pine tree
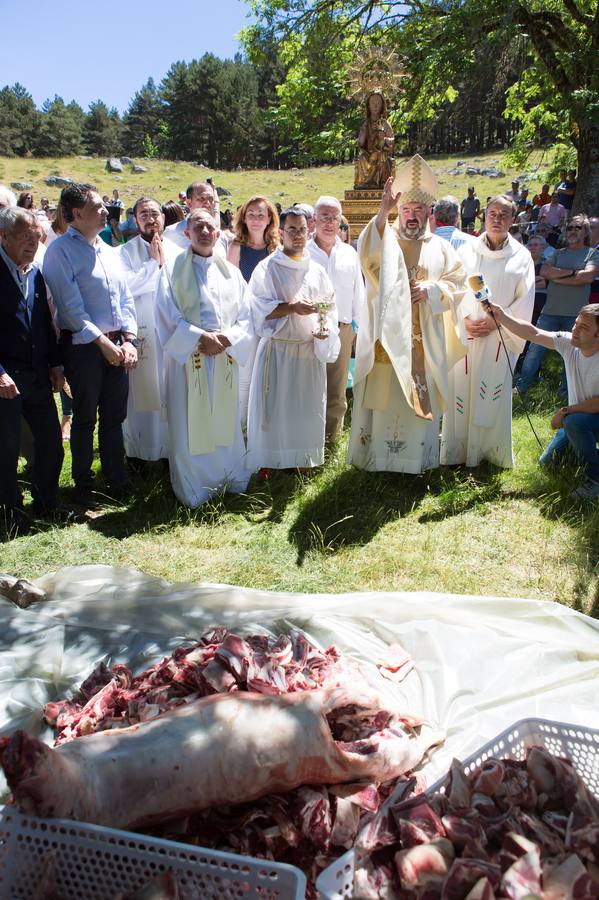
<point>19,121</point>
<point>61,129</point>
<point>142,120</point>
<point>102,130</point>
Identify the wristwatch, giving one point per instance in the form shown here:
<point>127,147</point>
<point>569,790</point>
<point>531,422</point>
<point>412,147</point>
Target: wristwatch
<point>135,342</point>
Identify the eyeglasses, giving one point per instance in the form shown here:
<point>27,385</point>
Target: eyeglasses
<point>574,227</point>
<point>296,232</point>
<point>328,220</point>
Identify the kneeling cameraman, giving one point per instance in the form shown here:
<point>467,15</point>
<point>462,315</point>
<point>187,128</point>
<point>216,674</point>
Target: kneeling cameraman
<point>577,424</point>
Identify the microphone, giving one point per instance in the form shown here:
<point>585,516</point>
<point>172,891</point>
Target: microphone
<point>482,291</point>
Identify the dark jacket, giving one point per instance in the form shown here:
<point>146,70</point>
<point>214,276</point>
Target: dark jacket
<point>27,336</point>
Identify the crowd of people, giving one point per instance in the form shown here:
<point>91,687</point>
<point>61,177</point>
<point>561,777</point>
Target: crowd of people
<point>221,346</point>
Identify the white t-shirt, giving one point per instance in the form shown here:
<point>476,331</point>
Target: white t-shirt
<point>582,372</point>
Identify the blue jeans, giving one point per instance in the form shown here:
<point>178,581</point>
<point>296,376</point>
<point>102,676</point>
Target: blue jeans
<point>579,433</point>
<point>535,353</point>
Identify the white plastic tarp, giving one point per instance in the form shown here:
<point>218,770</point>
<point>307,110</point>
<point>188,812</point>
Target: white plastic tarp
<point>482,663</point>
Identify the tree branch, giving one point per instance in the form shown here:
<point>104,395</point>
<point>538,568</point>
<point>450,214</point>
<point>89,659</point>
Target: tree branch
<point>576,13</point>
<point>543,43</point>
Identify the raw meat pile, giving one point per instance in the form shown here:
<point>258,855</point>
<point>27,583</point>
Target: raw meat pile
<point>308,827</point>
<point>510,830</point>
<point>266,747</point>
<point>221,662</point>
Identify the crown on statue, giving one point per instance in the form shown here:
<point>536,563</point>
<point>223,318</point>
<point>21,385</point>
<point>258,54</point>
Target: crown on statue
<point>374,69</point>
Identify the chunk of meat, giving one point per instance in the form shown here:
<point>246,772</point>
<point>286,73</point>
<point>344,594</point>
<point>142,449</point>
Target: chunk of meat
<point>418,866</point>
<point>219,750</point>
<point>569,880</point>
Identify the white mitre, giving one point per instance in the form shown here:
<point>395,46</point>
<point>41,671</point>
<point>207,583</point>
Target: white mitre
<point>417,182</point>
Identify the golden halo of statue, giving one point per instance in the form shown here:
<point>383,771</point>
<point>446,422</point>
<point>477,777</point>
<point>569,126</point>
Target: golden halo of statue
<point>374,69</point>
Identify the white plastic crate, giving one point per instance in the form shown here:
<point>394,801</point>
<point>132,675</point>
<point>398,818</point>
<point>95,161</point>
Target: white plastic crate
<point>580,745</point>
<point>96,863</point>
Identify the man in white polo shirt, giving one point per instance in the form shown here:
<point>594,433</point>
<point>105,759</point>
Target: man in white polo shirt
<point>577,424</point>
<point>342,265</point>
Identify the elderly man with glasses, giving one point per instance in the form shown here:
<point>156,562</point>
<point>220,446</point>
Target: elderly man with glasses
<point>569,273</point>
<point>340,262</point>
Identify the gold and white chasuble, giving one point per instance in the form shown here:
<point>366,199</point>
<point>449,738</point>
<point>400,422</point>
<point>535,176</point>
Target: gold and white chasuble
<point>403,351</point>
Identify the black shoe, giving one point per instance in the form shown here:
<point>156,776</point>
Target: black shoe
<point>14,521</point>
<point>86,498</point>
<point>59,514</point>
<point>120,492</point>
<point>137,466</point>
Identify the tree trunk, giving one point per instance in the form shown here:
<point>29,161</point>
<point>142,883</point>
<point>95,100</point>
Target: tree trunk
<point>586,199</point>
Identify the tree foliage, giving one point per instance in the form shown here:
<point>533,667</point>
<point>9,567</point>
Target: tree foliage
<point>472,49</point>
<point>213,112</point>
<point>60,129</point>
<point>143,121</point>
<point>19,120</point>
<point>480,74</point>
<point>102,130</point>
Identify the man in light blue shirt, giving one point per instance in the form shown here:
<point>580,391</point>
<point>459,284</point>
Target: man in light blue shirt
<point>98,328</point>
<point>446,213</point>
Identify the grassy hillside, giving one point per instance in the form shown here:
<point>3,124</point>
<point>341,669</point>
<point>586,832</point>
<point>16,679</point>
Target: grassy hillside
<point>164,180</point>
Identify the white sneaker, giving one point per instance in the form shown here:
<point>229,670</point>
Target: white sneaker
<point>587,491</point>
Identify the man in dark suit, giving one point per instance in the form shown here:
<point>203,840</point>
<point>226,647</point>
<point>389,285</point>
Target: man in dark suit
<point>30,369</point>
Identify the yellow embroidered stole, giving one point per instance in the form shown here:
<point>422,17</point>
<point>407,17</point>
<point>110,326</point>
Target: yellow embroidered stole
<point>210,424</point>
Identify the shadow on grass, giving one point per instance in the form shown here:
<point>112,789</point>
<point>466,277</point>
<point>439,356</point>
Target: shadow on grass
<point>458,489</point>
<point>154,508</point>
<point>269,499</point>
<point>351,507</point>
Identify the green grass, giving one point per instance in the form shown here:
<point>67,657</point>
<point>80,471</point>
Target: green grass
<point>165,179</point>
<point>484,531</point>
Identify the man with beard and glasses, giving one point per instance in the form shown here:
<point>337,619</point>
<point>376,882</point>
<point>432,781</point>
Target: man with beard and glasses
<point>408,337</point>
<point>144,430</point>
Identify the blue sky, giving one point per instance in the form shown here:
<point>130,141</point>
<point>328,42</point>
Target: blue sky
<point>87,50</point>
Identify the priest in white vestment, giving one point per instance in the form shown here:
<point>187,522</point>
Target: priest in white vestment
<point>203,326</point>
<point>288,392</point>
<point>200,195</point>
<point>145,432</point>
<point>478,421</point>
<point>409,333</point>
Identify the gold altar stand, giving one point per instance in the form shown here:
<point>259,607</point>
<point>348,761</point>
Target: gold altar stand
<point>359,206</point>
